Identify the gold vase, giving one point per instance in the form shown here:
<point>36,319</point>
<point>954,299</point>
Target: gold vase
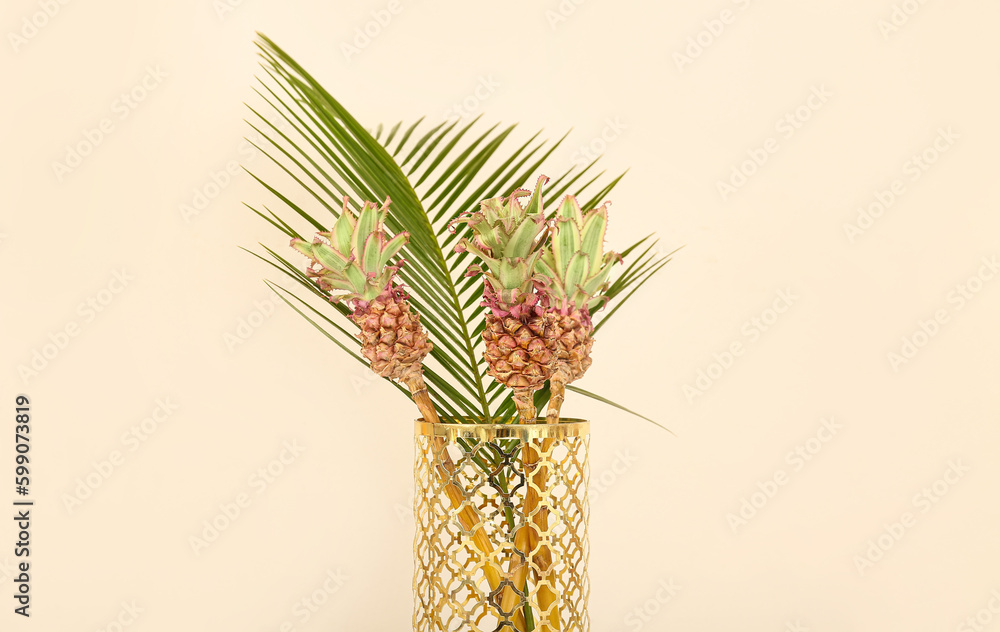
<point>501,527</point>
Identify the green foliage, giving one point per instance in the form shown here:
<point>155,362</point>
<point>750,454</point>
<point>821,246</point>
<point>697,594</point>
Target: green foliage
<point>354,261</point>
<point>507,237</point>
<point>432,177</point>
<point>575,261</point>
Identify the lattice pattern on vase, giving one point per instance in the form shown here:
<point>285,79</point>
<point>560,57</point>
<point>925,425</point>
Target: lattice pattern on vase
<point>501,527</point>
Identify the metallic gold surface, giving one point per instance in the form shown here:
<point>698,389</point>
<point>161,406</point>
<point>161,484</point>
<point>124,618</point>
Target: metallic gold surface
<point>498,506</point>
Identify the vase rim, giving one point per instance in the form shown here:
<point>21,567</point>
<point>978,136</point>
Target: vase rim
<point>567,427</point>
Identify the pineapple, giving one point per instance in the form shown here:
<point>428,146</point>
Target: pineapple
<point>520,337</point>
<point>507,237</point>
<point>577,270</point>
<point>355,262</point>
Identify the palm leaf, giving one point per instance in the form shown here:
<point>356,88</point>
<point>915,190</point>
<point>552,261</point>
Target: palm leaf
<point>433,173</point>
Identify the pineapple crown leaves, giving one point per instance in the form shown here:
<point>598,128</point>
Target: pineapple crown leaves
<point>574,262</point>
<point>355,257</point>
<point>507,237</point>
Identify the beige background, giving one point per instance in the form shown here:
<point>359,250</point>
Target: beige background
<point>660,514</point>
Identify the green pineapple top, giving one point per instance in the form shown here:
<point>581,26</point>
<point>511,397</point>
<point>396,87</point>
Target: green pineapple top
<point>355,258</point>
<point>574,262</point>
<point>508,237</point>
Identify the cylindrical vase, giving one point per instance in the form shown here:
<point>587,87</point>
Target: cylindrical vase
<point>501,527</point>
